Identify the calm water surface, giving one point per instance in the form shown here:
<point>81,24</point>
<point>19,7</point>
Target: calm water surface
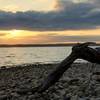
<point>31,55</point>
<point>27,55</point>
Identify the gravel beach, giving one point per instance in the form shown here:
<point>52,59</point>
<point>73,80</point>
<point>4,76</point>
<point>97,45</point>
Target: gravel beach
<point>80,82</point>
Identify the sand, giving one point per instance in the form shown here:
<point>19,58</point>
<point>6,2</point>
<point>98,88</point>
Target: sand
<point>80,82</point>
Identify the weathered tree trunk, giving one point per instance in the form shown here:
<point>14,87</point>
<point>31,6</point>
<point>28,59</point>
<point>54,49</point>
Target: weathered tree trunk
<point>89,54</point>
<point>81,51</point>
<point>53,77</point>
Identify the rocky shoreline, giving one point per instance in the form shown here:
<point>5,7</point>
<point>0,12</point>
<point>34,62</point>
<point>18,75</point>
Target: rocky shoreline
<point>80,82</point>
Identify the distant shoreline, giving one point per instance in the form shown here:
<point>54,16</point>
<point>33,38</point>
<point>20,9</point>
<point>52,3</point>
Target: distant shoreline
<point>38,45</point>
<point>35,45</point>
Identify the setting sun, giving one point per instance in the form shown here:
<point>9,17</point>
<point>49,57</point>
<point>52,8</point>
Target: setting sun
<point>15,33</point>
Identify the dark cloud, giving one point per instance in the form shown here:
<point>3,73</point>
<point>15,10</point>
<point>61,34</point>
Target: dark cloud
<point>95,2</point>
<point>70,16</point>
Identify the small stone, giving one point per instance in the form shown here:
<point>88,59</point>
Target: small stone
<point>74,97</point>
<point>3,67</point>
<point>3,97</point>
<point>15,95</point>
<point>2,92</point>
<point>97,99</point>
<point>97,90</point>
<point>73,81</point>
<point>96,73</point>
<point>60,87</point>
<point>56,96</point>
<point>96,77</point>
<point>67,98</point>
<point>23,91</point>
<point>84,98</point>
<point>31,97</point>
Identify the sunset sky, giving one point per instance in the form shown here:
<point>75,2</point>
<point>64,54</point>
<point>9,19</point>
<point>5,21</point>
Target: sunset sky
<point>49,21</point>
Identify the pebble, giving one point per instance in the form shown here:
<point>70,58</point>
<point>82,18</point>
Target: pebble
<point>17,82</point>
<point>96,73</point>
<point>73,81</point>
<point>15,95</point>
<point>67,98</point>
<point>3,97</point>
<point>3,67</point>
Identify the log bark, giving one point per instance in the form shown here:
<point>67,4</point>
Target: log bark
<point>89,54</point>
<point>79,51</point>
<point>53,77</point>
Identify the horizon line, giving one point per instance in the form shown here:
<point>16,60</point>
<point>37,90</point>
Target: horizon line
<point>39,45</point>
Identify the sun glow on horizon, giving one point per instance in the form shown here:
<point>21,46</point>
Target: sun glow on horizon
<point>37,37</point>
<point>15,33</point>
<point>18,33</point>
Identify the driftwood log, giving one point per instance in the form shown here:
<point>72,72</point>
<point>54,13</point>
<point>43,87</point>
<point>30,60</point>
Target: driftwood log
<point>79,51</point>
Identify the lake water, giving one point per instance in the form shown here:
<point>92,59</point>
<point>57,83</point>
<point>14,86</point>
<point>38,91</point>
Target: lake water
<point>31,55</point>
